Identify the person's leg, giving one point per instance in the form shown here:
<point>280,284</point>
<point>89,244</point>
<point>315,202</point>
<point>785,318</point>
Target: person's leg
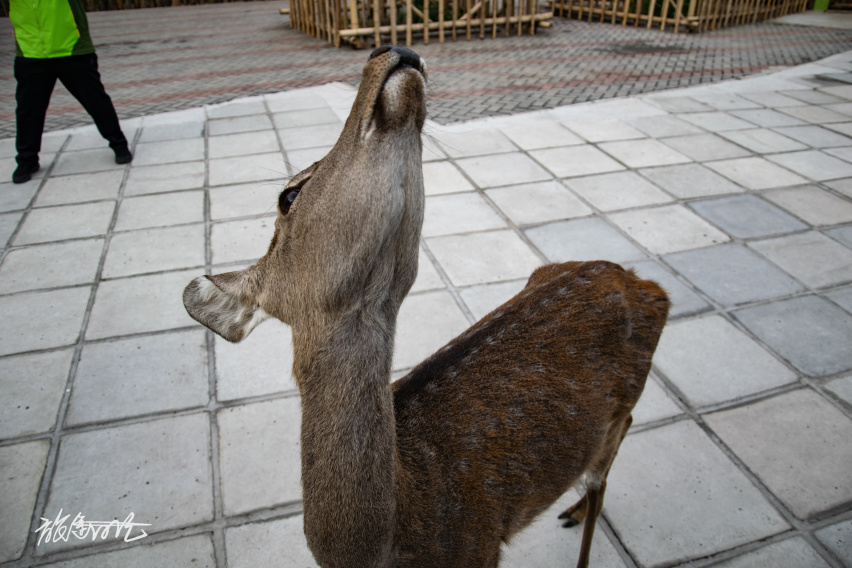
<point>35,84</point>
<point>80,76</point>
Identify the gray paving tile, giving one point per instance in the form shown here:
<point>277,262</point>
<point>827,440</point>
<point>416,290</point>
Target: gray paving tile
<point>264,544</point>
<point>166,177</point>
<point>160,210</point>
<point>795,444</point>
<point>244,240</point>
<point>838,538</point>
<point>81,187</point>
<point>232,125</point>
<point>534,135</point>
<point>705,147</point>
<point>17,196</point>
<point>711,361</point>
<point>237,108</point>
<point>815,136</point>
<point>643,153</point>
<point>8,165</point>
<point>844,153</point>
<point>476,142</point>
<point>241,169</point>
<point>605,131</point>
<point>427,276</point>
<point>444,177</point>
<point>242,144</point>
<point>756,173</point>
<point>51,265</point>
<point>583,239</point>
<point>195,551</point>
<point>154,250</point>
<point>662,126</point>
<point>304,117</point>
<point>459,213</point>
<point>41,320</point>
<point>140,304</point>
<point>665,475</point>
<point>85,161</point>
<point>767,117</point>
<point>747,216</point>
<point>815,114</point>
<point>620,190</point>
<point>181,130</point>
<point>21,468</point>
<point>791,553</point>
<point>811,333</point>
<point>426,322</point>
<point>843,186</point>
<point>654,404</point>
<point>243,200</point>
<point>302,159</point>
<point>844,128</point>
<point>32,386</point>
<point>812,96</point>
<point>772,99</point>
<point>484,298</point>
<point>164,476</point>
<point>546,543</point>
<point>716,121</point>
<point>572,161</point>
<point>683,299</point>
<point>168,152</point>
<point>842,297</point>
<point>309,136</point>
<point>266,435</point>
<point>677,103</point>
<point>690,180</point>
<point>503,169</point>
<point>813,164</point>
<point>842,388</point>
<point>811,257</point>
<point>732,274</point>
<point>763,141</point>
<point>260,364</point>
<point>128,377</point>
<point>667,229</point>
<point>500,255</point>
<point>65,222</point>
<point>8,224</point>
<point>538,202</point>
<point>431,149</point>
<point>725,101</point>
<point>812,204</point>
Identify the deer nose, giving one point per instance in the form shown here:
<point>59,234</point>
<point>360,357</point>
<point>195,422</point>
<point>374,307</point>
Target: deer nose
<point>406,56</point>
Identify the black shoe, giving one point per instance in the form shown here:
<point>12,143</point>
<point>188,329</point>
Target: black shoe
<point>24,172</point>
<point>123,155</point>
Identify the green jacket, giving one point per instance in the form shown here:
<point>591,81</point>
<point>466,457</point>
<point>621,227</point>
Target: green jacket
<point>45,29</point>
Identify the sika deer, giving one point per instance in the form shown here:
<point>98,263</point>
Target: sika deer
<point>445,464</point>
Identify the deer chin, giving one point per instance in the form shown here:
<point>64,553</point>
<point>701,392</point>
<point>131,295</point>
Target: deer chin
<point>401,96</point>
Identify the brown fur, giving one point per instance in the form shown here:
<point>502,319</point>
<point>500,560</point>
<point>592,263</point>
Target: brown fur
<point>450,461</point>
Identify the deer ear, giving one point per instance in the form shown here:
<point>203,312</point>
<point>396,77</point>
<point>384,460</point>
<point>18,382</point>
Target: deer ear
<point>219,303</point>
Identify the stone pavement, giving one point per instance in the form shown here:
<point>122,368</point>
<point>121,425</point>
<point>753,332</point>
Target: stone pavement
<point>736,197</point>
<point>165,59</point>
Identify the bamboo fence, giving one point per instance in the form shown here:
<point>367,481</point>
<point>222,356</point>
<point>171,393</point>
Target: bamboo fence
<point>677,15</point>
<point>377,22</point>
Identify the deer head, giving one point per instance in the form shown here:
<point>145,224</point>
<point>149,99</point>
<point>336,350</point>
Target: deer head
<point>348,226</point>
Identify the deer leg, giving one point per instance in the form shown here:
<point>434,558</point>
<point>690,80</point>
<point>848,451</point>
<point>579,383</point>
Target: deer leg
<point>575,513</point>
<point>595,491</point>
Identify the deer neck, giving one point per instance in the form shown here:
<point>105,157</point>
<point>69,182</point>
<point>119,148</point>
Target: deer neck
<point>348,437</point>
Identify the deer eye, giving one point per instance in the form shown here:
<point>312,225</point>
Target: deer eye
<point>286,199</point>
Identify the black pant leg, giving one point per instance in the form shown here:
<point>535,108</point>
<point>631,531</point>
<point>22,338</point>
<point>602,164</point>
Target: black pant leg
<point>80,76</point>
<point>36,79</point>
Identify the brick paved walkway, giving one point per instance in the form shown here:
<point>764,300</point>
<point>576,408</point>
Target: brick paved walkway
<point>164,59</point>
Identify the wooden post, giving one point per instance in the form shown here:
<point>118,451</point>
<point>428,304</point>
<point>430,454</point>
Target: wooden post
<point>425,22</point>
<point>440,21</point>
<point>408,9</point>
